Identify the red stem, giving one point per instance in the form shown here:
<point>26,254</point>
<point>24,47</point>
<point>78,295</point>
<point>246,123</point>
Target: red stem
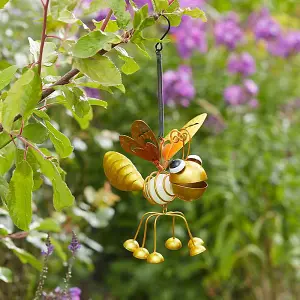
<point>106,20</point>
<point>44,36</point>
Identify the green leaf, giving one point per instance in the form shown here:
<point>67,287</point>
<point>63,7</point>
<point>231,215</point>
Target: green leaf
<point>5,274</point>
<point>97,102</point>
<point>49,53</point>
<point>139,16</point>
<point>3,188</point>
<point>101,69</point>
<point>84,121</point>
<point>76,100</point>
<point>4,139</point>
<point>22,98</point>
<point>62,196</point>
<point>58,249</point>
<point>48,225</point>
<point>30,158</point>
<point>41,114</point>
<point>6,76</point>
<point>4,230</point>
<point>61,143</point>
<point>36,133</point>
<point>160,5</point>
<point>112,25</point>
<point>119,9</point>
<point>7,155</point>
<point>93,42</point>
<point>176,15</point>
<point>24,256</point>
<point>130,65</point>
<point>19,195</point>
<point>2,3</point>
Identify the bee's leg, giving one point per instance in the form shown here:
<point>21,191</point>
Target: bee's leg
<point>141,222</point>
<point>181,215</point>
<point>146,227</point>
<point>155,221</point>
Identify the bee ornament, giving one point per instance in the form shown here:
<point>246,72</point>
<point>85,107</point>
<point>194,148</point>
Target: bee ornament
<point>183,178</point>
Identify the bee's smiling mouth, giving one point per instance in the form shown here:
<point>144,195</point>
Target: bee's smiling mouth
<point>194,185</point>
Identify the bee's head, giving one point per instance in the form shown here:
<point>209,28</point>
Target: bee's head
<point>188,177</point>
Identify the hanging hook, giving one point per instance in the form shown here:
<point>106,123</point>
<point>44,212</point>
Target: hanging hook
<point>159,45</point>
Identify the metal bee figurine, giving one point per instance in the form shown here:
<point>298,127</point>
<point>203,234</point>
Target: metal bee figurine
<point>183,178</point>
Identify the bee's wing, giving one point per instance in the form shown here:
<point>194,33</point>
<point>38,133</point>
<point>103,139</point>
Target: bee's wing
<point>121,172</point>
<point>174,145</point>
<point>143,142</point>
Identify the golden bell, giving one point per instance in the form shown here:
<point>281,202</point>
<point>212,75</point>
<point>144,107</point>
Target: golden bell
<point>173,243</point>
<point>195,242</point>
<point>155,258</point>
<point>197,250</point>
<point>131,245</point>
<point>141,253</point>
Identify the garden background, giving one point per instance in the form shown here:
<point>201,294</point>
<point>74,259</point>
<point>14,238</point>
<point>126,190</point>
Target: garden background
<point>242,68</point>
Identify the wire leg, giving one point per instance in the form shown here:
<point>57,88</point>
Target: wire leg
<point>146,226</point>
<point>141,222</point>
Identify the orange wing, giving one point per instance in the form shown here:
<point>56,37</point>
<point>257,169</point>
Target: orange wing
<point>175,142</point>
<point>143,142</point>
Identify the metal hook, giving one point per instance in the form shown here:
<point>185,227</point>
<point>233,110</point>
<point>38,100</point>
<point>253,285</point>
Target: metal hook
<point>159,45</point>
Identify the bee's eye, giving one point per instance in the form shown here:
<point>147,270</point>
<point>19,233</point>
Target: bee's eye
<point>176,165</point>
<point>195,158</point>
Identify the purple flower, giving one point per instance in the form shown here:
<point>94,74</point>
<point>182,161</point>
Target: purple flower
<point>92,93</point>
<point>190,36</point>
<point>250,87</point>
<point>243,64</point>
<point>191,3</point>
<point>266,29</point>
<point>242,94</point>
<point>234,95</point>
<point>178,86</point>
<point>75,293</point>
<point>74,245</point>
<point>285,45</point>
<point>50,248</point>
<point>228,32</point>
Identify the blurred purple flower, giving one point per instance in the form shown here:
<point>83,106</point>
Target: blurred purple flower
<point>242,94</point>
<point>243,64</point>
<point>228,32</point>
<point>178,86</point>
<point>191,3</point>
<point>266,29</point>
<point>74,245</point>
<point>92,93</point>
<point>253,103</point>
<point>234,95</point>
<point>75,293</point>
<point>58,294</point>
<point>50,248</point>
<point>190,36</point>
<point>250,87</point>
<point>285,45</point>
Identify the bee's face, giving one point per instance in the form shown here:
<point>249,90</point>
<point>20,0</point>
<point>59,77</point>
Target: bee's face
<point>188,177</point>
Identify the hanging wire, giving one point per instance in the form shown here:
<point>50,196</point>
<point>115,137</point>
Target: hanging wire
<point>158,48</point>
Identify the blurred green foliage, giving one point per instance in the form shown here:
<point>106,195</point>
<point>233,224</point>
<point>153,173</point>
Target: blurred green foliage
<point>249,216</point>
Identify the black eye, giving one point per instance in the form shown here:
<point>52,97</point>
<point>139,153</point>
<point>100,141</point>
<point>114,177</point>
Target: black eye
<point>195,158</point>
<point>176,165</point>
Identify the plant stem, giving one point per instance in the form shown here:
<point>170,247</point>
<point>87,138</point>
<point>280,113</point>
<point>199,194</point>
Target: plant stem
<point>28,144</point>
<point>68,76</point>
<point>44,36</point>
<point>107,18</point>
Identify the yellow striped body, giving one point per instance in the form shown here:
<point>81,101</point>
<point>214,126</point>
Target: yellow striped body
<point>121,172</point>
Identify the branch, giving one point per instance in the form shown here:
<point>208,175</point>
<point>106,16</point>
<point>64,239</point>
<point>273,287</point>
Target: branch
<point>68,76</point>
<point>105,22</point>
<point>44,36</point>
